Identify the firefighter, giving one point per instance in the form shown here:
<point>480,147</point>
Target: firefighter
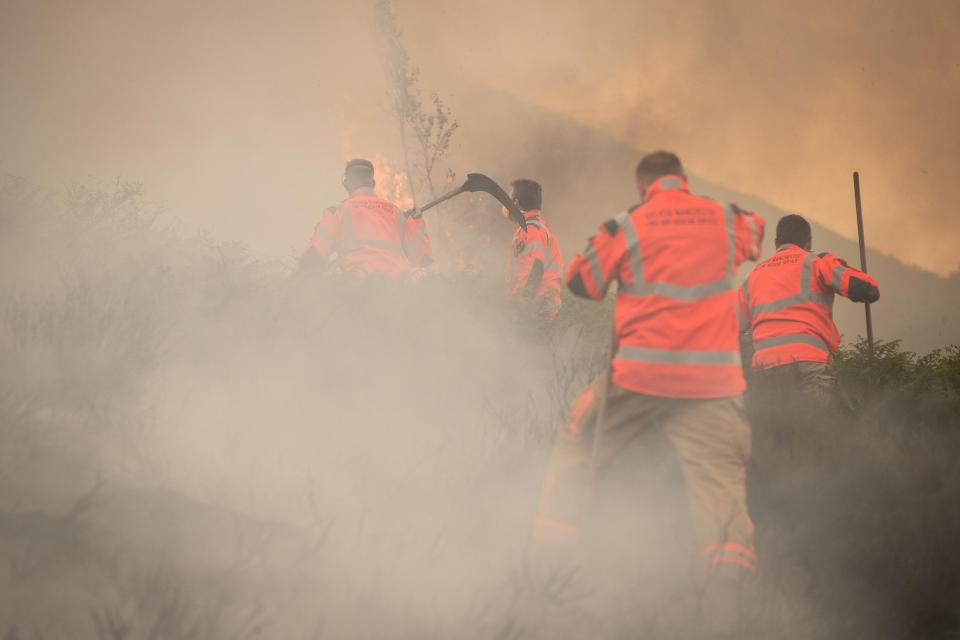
<point>675,365</point>
<point>535,265</point>
<point>787,304</point>
<point>366,234</point>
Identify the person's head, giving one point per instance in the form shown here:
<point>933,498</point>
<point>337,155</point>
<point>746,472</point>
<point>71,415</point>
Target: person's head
<point>654,165</point>
<point>794,229</point>
<point>528,194</point>
<point>359,173</point>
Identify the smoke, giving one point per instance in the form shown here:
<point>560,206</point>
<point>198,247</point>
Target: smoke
<point>773,98</point>
<point>235,115</point>
<point>198,438</point>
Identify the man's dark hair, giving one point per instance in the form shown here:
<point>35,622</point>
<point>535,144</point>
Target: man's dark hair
<point>659,163</point>
<point>358,173</point>
<point>527,193</point>
<point>794,229</point>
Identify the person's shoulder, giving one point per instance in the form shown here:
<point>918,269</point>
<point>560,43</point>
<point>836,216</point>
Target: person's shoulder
<point>331,211</point>
<point>614,224</point>
<point>827,256</point>
<point>535,222</point>
<point>732,207</point>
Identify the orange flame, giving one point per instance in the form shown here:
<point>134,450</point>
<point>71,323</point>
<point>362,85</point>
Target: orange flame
<point>392,184</point>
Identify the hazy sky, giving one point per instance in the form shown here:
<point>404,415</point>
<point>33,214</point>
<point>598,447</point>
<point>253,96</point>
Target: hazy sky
<point>238,116</point>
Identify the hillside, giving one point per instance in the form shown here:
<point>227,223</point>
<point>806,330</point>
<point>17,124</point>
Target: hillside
<point>587,177</point>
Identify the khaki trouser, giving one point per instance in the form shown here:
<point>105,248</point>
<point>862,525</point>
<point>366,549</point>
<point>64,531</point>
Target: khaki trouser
<point>712,441</point>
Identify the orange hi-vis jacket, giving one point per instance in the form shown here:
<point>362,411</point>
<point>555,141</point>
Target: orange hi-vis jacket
<point>787,300</point>
<point>371,235</point>
<point>675,257</point>
<point>536,264</point>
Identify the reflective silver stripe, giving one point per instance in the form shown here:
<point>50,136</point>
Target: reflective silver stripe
<point>527,248</point>
<point>625,220</point>
<point>805,295</point>
<point>596,271</point>
<point>731,239</point>
<point>800,298</point>
<point>671,183</point>
<point>793,338</point>
<point>678,292</point>
<point>548,253</point>
<point>838,276</point>
<point>742,323</point>
<point>806,273</point>
<point>548,262</point>
<point>677,356</point>
<point>754,244</point>
<point>665,289</point>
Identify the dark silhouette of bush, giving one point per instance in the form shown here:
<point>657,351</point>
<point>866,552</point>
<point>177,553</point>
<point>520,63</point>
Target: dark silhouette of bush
<point>857,505</point>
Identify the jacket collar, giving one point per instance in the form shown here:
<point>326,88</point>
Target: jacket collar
<point>528,215</point>
<point>790,245</point>
<point>663,183</point>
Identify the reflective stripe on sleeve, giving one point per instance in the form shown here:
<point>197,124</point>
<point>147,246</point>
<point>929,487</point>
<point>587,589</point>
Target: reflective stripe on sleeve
<point>731,239</point>
<point>548,262</point>
<point>742,323</point>
<point>527,248</point>
<point>754,243</point>
<point>838,276</point>
<point>677,356</point>
<point>633,246</point>
<point>596,271</point>
<point>793,338</point>
<point>806,273</point>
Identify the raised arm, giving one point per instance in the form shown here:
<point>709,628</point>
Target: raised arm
<point>844,280</point>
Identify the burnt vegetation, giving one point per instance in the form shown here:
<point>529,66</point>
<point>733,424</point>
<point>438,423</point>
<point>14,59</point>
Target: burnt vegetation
<point>199,444</point>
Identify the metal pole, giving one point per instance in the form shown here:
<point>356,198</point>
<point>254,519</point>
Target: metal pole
<point>863,258</point>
